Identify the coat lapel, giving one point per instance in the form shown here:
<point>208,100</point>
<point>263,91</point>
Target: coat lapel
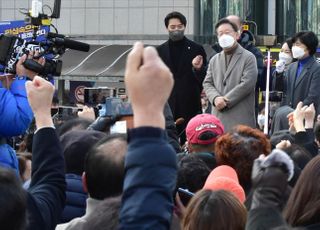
<point>232,63</point>
<point>292,76</point>
<point>304,71</point>
<point>223,62</point>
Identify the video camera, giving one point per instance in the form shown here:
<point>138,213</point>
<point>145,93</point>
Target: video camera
<point>51,48</point>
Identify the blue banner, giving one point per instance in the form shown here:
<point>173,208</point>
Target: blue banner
<point>23,30</point>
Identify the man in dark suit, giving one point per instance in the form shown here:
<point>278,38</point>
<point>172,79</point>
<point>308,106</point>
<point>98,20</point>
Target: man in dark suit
<point>186,60</point>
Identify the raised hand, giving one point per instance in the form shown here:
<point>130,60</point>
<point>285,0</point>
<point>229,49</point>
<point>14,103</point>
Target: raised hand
<point>149,83</point>
<point>40,94</point>
<point>197,62</point>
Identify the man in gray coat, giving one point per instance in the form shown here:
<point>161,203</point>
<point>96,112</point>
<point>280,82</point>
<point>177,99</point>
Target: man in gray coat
<point>231,79</point>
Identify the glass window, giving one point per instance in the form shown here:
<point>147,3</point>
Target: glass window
<point>211,11</point>
<point>295,16</point>
<point>312,16</point>
<point>235,7</point>
<point>291,16</point>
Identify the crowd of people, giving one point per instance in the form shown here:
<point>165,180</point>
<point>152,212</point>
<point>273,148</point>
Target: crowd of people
<point>179,167</point>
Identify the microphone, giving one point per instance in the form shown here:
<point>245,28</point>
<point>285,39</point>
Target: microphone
<point>60,39</point>
<point>75,45</point>
<point>55,35</point>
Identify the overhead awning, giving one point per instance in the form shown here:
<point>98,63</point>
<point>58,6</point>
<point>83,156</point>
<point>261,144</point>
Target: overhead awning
<point>102,63</point>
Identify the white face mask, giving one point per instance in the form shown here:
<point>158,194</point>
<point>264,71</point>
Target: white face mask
<point>285,57</point>
<point>261,119</point>
<point>297,52</point>
<point>226,41</point>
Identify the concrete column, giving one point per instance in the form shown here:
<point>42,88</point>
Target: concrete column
<point>272,17</point>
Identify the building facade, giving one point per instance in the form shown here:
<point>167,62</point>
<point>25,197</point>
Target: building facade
<point>125,21</point>
<point>110,21</point>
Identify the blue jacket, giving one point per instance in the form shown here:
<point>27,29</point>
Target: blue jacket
<point>15,111</point>
<point>150,164</point>
<point>76,198</point>
<point>15,117</point>
<point>8,158</point>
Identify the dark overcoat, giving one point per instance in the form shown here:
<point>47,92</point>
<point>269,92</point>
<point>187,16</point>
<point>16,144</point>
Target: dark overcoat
<point>306,87</point>
<point>184,100</point>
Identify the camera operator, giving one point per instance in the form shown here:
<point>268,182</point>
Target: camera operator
<point>15,111</point>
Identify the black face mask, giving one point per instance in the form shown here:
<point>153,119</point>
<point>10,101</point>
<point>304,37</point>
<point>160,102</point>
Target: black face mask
<point>176,35</point>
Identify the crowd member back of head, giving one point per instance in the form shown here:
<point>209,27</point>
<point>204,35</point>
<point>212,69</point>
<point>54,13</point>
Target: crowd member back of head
<point>104,167</point>
<point>102,177</point>
<point>239,149</point>
<point>13,201</point>
<point>202,132</point>
<point>303,208</point>
<point>192,174</point>
<point>207,211</point>
<point>76,144</point>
